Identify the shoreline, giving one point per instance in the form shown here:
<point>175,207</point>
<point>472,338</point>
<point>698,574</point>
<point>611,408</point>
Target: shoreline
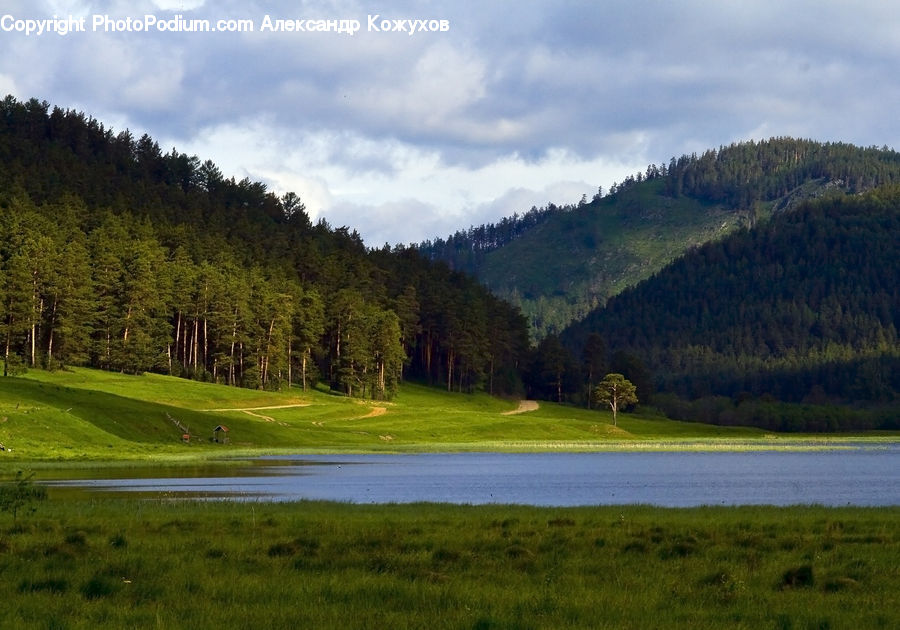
<point>54,469</point>
<point>8,461</point>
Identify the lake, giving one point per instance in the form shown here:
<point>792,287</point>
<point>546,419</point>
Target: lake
<point>859,476</point>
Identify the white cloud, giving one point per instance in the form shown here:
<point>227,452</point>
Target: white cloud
<point>179,5</point>
<point>7,85</point>
<point>390,222</point>
<point>362,183</point>
<point>444,82</point>
<point>519,104</point>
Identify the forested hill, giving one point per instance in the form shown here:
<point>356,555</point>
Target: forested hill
<point>558,263</point>
<point>803,308</point>
<point>117,255</point>
<point>466,250</point>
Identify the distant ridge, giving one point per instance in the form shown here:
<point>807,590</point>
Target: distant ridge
<point>559,262</point>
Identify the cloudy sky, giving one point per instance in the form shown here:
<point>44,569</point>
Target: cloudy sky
<point>410,136</point>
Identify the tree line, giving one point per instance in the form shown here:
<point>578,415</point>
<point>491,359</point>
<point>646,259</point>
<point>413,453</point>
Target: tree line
<point>116,255</point>
<point>743,173</point>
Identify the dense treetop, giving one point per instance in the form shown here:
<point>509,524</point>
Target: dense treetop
<point>747,172</point>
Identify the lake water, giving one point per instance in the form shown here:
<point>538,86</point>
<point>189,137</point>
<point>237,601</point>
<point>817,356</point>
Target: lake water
<point>862,476</point>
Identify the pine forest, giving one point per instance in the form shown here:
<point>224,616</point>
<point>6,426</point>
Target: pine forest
<point>117,255</point>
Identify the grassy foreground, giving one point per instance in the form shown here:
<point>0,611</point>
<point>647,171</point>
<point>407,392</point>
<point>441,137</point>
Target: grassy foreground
<point>139,564</point>
<point>130,563</point>
<point>92,415</point>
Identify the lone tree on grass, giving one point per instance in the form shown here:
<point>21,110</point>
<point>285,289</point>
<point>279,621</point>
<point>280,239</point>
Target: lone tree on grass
<point>616,391</point>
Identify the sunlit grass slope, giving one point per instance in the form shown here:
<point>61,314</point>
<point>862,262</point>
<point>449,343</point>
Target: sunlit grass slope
<point>90,414</point>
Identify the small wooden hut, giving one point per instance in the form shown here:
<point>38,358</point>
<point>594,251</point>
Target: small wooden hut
<point>220,434</point>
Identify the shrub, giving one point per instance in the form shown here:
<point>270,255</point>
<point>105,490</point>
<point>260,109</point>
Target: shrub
<point>20,494</point>
<point>99,586</point>
<point>797,577</point>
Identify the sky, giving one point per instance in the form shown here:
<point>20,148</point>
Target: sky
<point>487,108</point>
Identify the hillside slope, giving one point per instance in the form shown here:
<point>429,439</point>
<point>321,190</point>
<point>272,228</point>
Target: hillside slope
<point>805,307</point>
<point>569,260</point>
<point>563,268</point>
<point>93,414</point>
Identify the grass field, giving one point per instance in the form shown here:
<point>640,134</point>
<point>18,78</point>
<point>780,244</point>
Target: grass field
<point>141,564</point>
<point>96,562</point>
<point>85,414</point>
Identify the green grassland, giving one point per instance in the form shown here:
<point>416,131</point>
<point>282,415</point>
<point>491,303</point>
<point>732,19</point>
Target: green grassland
<point>84,414</point>
<point>77,561</point>
<point>114,563</point>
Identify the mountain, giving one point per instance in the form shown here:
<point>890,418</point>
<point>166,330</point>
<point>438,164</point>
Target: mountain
<point>803,308</point>
<point>116,255</point>
<point>558,263</point>
<point>779,310</point>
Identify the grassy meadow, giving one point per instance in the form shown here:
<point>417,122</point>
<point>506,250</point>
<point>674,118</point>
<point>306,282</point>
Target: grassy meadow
<point>87,561</point>
<point>116,563</point>
<point>91,415</point>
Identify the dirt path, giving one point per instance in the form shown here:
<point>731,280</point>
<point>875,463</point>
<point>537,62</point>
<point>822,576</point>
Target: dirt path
<point>251,411</point>
<point>374,412</point>
<point>258,415</point>
<point>245,409</point>
<point>524,407</point>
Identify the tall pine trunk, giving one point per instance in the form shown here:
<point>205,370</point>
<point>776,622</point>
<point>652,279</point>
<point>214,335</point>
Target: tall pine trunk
<point>50,334</point>
<point>6,350</point>
<point>450,370</point>
<point>304,369</point>
<point>195,350</point>
<point>184,346</point>
<point>177,336</point>
<point>205,346</point>
<point>231,355</point>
